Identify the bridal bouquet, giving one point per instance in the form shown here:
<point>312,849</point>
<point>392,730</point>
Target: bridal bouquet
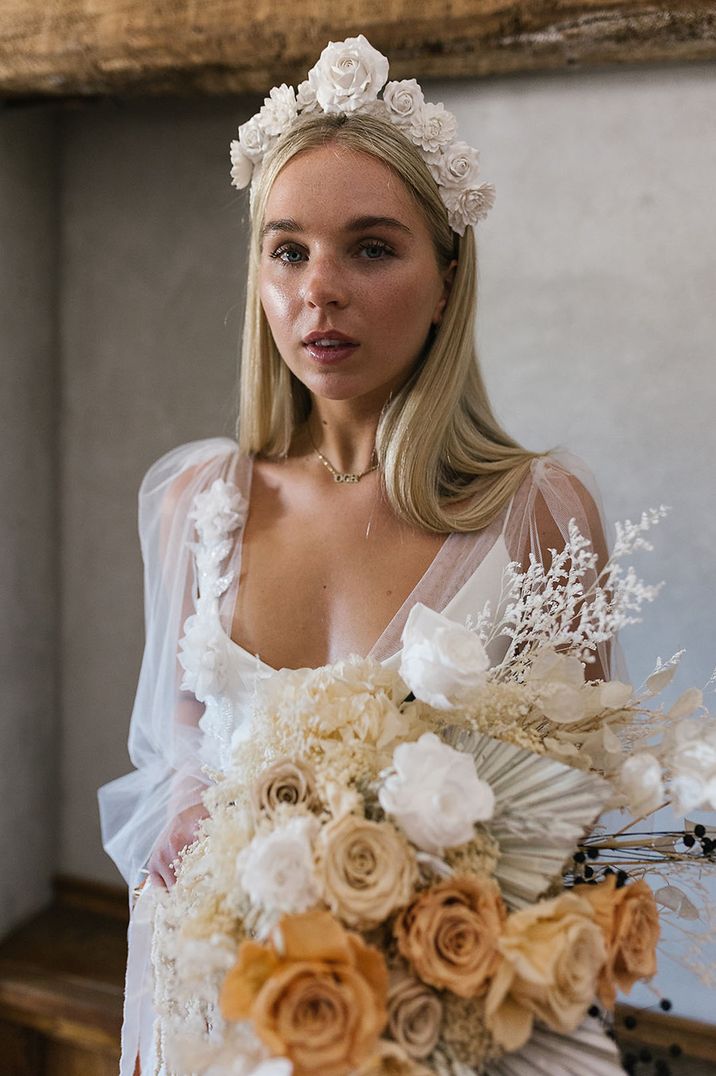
<point>402,870</point>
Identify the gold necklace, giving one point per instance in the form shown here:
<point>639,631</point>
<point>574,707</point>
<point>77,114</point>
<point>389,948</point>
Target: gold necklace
<point>339,476</point>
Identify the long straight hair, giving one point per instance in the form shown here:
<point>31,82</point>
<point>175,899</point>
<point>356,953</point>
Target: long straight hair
<point>446,463</point>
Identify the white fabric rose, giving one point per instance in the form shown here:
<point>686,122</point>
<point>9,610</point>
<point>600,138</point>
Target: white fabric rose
<point>279,110</point>
<point>202,655</point>
<point>467,205</point>
<point>435,794</point>
<point>217,511</point>
<point>254,139</point>
<point>348,75</point>
<point>306,97</point>
<point>276,870</point>
<point>642,782</point>
<point>241,166</point>
<point>693,766</point>
<point>404,101</point>
<point>457,165</point>
<point>442,662</point>
<point>437,128</point>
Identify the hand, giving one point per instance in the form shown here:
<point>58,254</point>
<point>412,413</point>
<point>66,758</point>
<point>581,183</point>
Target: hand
<point>180,832</point>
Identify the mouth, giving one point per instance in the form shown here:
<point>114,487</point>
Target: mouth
<point>330,347</point>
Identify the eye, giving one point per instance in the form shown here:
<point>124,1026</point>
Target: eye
<point>375,249</point>
<point>288,253</point>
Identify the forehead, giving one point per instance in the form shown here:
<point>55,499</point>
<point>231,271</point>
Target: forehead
<point>334,181</point>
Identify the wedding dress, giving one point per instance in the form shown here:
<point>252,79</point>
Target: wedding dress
<point>196,683</point>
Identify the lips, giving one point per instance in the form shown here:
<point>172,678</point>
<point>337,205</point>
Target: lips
<point>329,346</point>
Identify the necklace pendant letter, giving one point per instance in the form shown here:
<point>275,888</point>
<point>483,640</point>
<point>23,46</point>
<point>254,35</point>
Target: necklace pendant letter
<point>346,477</point>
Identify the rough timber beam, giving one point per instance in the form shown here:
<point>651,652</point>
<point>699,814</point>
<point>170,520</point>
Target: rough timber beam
<point>59,48</point>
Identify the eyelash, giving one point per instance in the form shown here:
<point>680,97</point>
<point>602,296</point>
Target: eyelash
<point>367,244</point>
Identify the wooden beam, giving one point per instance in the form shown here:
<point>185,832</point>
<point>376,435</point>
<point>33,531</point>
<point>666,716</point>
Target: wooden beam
<point>59,48</point>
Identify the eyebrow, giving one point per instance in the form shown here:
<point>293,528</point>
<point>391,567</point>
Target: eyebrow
<point>356,224</point>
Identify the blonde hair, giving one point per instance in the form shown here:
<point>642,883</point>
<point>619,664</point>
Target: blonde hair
<point>446,463</point>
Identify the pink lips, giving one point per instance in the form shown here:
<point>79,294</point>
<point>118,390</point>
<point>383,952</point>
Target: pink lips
<point>329,354</point>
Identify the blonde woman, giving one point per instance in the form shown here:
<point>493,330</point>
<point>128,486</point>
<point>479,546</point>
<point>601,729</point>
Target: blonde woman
<point>369,473</point>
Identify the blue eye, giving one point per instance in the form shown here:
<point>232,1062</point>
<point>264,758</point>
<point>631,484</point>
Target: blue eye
<point>375,245</point>
<point>284,254</point>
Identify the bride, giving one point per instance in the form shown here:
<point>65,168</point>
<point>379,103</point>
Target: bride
<point>370,472</point>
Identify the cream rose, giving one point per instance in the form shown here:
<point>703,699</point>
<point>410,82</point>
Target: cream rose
<point>404,101</point>
<point>435,795</point>
<point>284,782</point>
<point>366,870</point>
<point>449,933</point>
<point>320,1001</point>
<point>552,955</point>
<point>437,129</point>
<point>457,165</point>
<point>442,662</point>
<point>414,1014</point>
<point>279,110</point>
<point>629,920</point>
<point>254,139</point>
<point>348,75</point>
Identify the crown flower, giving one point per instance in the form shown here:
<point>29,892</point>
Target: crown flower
<point>347,79</point>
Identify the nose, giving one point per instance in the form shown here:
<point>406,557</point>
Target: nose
<point>325,283</point>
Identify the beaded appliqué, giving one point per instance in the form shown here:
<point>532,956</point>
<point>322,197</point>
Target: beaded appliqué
<point>217,513</point>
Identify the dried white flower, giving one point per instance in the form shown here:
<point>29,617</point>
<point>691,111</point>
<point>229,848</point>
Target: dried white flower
<point>642,783</point>
<point>693,766</point>
<point>277,869</point>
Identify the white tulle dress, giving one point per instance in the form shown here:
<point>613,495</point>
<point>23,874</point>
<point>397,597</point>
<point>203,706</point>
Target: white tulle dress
<point>196,683</point>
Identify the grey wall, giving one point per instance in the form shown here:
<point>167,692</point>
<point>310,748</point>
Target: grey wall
<point>28,534</point>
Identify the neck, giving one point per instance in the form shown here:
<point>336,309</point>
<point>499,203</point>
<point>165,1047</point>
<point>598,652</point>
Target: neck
<point>344,432</point>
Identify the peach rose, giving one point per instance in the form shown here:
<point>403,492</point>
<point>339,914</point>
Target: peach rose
<point>629,920</point>
<point>552,955</point>
<point>285,781</point>
<point>366,868</point>
<point>392,1060</point>
<point>449,933</point>
<point>321,1001</point>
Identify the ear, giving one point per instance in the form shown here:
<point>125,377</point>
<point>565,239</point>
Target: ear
<point>448,278</point>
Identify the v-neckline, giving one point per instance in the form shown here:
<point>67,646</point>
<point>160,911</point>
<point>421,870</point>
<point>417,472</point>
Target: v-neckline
<point>234,564</point>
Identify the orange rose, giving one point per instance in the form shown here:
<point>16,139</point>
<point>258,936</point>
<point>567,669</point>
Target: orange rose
<point>629,920</point>
<point>449,933</point>
<point>321,1002</point>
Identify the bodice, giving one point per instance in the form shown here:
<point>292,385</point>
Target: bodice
<point>223,675</point>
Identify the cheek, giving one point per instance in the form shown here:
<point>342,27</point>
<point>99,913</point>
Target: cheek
<point>277,302</point>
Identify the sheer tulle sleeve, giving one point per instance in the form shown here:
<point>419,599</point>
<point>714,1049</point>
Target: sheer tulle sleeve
<point>164,736</point>
<point>560,487</point>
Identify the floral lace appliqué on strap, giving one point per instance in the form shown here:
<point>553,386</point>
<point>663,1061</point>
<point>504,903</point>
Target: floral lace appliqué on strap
<point>217,513</point>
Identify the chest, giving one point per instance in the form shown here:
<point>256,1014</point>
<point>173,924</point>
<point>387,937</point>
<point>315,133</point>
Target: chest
<point>323,570</point>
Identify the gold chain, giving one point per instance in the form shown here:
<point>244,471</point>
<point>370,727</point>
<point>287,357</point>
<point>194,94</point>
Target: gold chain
<point>339,476</point>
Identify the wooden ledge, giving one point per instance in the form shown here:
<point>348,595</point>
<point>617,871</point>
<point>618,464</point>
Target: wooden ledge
<point>71,48</point>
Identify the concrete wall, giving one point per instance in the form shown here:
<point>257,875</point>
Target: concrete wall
<point>28,532</point>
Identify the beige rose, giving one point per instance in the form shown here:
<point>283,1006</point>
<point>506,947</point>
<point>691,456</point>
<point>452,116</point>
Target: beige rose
<point>629,920</point>
<point>414,1014</point>
<point>450,932</point>
<point>286,782</point>
<point>366,869</point>
<point>552,956</point>
<point>320,1002</point>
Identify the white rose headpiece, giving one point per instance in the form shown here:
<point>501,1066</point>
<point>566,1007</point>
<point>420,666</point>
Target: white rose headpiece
<point>347,79</point>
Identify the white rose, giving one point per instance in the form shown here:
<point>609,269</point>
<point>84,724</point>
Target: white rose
<point>254,139</point>
<point>435,795</point>
<point>642,782</point>
<point>467,205</point>
<point>277,871</point>
<point>457,165</point>
<point>404,101</point>
<point>693,766</point>
<point>441,661</point>
<point>241,166</point>
<point>279,110</point>
<point>306,97</point>
<point>437,127</point>
<point>348,75</point>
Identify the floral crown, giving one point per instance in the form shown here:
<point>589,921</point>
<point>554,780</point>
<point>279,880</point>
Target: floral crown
<point>347,79</point>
